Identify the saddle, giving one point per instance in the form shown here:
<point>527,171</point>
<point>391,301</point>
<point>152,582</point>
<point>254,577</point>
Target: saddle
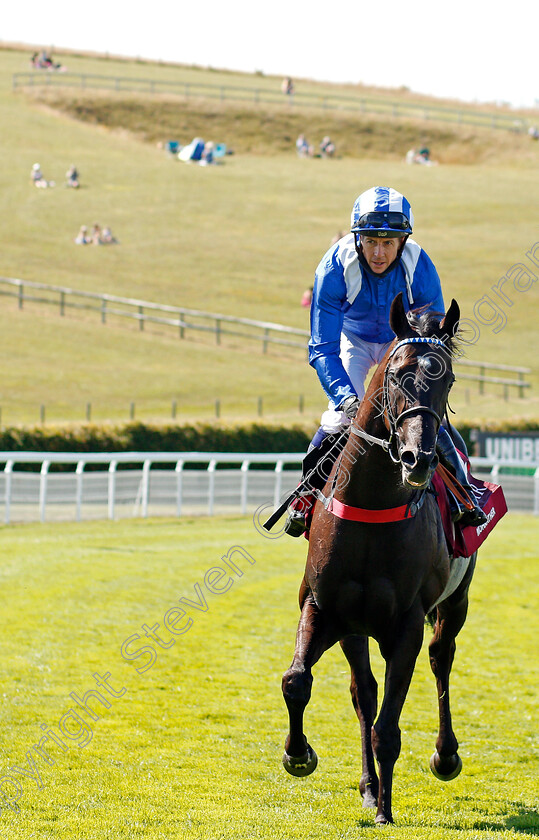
<point>463,542</point>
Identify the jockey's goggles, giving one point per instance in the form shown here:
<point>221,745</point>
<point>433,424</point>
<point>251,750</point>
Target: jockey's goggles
<point>379,219</point>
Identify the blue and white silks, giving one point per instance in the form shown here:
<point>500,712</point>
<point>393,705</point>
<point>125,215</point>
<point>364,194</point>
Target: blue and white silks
<point>349,300</point>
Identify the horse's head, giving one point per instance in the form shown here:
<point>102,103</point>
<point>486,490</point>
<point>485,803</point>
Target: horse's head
<point>417,380</point>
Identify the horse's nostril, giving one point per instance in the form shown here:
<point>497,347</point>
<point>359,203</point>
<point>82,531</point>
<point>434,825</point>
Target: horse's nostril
<point>408,458</point>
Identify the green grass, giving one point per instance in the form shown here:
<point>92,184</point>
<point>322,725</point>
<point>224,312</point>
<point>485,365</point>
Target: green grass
<point>242,239</point>
<point>192,749</point>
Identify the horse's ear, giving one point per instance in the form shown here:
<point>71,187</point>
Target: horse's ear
<point>397,317</point>
<point>450,323</point>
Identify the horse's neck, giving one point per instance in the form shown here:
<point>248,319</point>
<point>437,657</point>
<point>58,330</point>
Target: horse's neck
<point>370,416</point>
<point>375,480</point>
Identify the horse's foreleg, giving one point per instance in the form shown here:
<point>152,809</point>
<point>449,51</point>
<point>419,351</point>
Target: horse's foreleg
<point>400,655</point>
<point>446,762</point>
<point>312,639</point>
<point>364,691</point>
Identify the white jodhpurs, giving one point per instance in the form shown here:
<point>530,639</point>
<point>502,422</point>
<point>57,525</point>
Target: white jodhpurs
<point>358,357</point>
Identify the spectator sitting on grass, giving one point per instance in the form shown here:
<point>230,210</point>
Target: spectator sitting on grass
<point>82,237</point>
<point>207,154</point>
<point>422,157</point>
<point>72,177</point>
<point>327,148</point>
<point>107,238</point>
<point>96,235</point>
<point>302,147</point>
<point>43,61</point>
<point>37,177</point>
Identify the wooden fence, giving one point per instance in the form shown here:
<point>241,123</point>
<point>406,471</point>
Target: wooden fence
<point>265,333</point>
<point>264,94</point>
<point>146,312</point>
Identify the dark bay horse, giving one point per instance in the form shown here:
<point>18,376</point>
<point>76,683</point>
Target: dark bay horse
<point>381,577</point>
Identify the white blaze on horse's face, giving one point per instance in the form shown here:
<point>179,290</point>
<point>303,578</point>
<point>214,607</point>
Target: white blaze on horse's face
<point>380,252</point>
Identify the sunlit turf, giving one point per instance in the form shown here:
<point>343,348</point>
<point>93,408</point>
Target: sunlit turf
<point>192,747</point>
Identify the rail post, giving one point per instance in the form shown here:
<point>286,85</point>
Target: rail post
<point>211,486</point>
<point>179,476</point>
<point>111,488</point>
<point>43,489</point>
<point>78,472</point>
<point>145,487</point>
<point>8,472</point>
<point>244,488</point>
<point>278,483</point>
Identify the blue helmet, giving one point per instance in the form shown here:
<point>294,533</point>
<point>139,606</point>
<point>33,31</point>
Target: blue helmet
<point>382,211</point>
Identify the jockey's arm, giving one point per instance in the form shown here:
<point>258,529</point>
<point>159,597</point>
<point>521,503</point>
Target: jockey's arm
<point>427,288</point>
<point>329,297</point>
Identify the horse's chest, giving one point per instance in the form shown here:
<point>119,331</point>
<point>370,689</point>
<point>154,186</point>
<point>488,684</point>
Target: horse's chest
<point>368,590</point>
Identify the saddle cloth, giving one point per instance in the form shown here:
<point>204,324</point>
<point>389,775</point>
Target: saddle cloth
<point>462,542</point>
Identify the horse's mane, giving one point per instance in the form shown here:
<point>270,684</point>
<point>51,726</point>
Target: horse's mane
<point>427,325</point>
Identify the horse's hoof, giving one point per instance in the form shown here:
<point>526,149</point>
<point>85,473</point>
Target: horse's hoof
<point>446,768</point>
<point>302,766</point>
<point>381,819</point>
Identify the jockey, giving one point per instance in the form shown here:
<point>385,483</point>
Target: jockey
<point>355,284</point>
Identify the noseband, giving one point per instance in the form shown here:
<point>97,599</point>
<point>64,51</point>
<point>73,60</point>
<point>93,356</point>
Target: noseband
<point>395,421</point>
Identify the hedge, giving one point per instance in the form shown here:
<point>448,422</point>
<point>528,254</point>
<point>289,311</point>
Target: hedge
<point>143,437</point>
<point>210,437</point>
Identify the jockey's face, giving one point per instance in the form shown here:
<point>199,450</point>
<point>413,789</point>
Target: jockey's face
<point>380,252</point>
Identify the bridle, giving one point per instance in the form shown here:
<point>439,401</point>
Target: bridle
<point>395,421</point>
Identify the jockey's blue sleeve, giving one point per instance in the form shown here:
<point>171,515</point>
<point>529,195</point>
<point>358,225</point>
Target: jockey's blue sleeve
<point>327,316</point>
<point>345,295</point>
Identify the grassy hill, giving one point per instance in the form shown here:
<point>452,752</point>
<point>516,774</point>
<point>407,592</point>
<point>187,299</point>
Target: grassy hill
<point>243,239</point>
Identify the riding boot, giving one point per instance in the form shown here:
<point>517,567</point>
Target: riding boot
<point>459,513</point>
<point>321,455</point>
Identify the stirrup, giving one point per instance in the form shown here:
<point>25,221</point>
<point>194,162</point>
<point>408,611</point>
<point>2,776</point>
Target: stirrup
<point>299,515</point>
<point>296,523</point>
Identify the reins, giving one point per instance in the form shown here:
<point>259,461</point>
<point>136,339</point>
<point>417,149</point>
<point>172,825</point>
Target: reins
<point>401,512</point>
<point>393,421</point>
